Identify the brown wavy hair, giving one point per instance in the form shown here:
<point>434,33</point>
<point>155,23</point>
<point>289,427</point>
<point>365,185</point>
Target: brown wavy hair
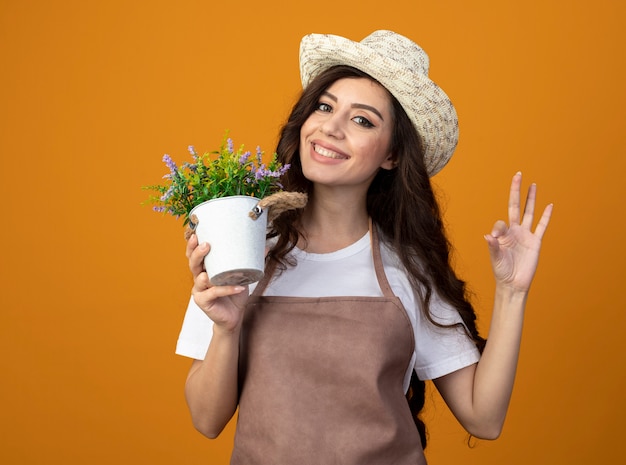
<point>401,203</point>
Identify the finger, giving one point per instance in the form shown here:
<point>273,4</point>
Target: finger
<point>494,247</point>
<point>192,243</point>
<point>514,199</point>
<point>224,291</point>
<point>529,208</point>
<point>544,221</point>
<point>499,229</point>
<point>201,282</point>
<point>206,297</point>
<point>196,260</point>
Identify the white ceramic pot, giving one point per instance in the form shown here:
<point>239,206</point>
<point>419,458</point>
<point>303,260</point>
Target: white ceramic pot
<point>237,255</point>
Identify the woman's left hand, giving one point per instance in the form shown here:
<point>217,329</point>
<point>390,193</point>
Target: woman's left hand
<point>514,248</point>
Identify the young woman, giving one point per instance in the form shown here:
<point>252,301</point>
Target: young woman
<point>359,304</point>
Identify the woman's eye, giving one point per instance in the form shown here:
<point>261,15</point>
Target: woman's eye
<point>363,121</point>
<point>324,107</point>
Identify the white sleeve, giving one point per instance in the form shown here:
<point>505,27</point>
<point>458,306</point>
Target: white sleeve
<point>195,334</point>
<point>440,351</point>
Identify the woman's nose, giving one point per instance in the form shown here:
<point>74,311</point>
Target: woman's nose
<point>331,127</point>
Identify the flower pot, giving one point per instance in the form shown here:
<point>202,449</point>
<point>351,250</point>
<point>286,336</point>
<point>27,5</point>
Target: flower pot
<point>237,255</point>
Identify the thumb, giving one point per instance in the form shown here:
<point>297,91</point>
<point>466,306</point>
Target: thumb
<point>498,230</point>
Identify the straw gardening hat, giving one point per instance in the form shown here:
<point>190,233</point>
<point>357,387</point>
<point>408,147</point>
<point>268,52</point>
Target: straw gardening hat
<point>401,66</point>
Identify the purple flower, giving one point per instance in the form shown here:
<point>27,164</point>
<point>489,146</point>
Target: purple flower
<point>170,163</point>
<point>244,158</point>
<point>167,194</point>
<point>192,150</point>
<point>230,145</point>
<point>284,169</point>
<point>259,155</point>
<point>261,173</point>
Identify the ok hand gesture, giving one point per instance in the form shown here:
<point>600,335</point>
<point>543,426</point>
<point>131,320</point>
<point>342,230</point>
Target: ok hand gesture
<point>514,248</point>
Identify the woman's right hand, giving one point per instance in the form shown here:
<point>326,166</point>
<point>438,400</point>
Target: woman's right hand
<point>222,304</point>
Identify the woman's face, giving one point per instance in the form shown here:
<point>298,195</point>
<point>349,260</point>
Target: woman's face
<point>347,139</point>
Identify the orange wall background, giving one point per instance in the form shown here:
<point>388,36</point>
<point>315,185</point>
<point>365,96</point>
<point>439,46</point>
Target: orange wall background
<point>94,286</point>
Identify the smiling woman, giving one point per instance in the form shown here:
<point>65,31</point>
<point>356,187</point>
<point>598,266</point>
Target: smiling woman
<point>93,294</point>
<point>359,304</point>
<point>349,133</point>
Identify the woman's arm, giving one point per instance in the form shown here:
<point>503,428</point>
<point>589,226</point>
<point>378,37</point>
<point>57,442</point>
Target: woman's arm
<point>211,388</point>
<point>479,395</point>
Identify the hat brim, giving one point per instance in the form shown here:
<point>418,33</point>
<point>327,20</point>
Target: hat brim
<point>426,104</point>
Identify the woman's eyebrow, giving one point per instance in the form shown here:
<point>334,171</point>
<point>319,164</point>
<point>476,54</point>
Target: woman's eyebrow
<point>356,105</point>
<point>368,107</point>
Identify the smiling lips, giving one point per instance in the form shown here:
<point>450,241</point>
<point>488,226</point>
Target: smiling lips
<point>328,153</point>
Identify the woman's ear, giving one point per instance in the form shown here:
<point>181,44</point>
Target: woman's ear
<point>389,163</point>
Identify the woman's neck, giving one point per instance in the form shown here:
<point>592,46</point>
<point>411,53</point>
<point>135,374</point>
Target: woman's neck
<point>332,221</point>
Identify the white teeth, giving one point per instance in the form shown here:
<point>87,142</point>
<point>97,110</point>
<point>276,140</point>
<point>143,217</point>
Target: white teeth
<point>327,153</point>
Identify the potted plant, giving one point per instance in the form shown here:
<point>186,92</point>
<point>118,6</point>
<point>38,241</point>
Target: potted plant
<point>224,197</point>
